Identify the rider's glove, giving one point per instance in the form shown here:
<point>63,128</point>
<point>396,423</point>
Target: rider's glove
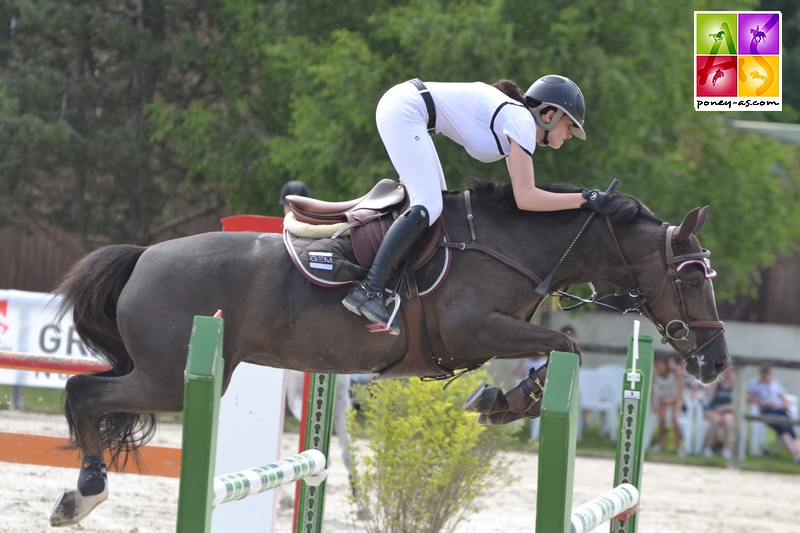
<point>596,201</point>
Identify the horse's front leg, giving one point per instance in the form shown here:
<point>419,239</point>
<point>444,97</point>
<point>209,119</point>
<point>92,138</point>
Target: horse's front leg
<point>506,337</point>
<point>515,339</point>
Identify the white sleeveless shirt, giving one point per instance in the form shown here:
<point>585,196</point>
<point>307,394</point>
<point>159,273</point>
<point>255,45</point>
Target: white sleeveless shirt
<point>481,118</point>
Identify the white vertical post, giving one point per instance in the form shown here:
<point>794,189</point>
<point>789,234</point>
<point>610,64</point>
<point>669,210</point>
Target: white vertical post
<point>250,429</point>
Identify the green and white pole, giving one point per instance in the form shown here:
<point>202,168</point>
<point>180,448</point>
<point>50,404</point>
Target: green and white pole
<point>308,466</point>
<point>591,514</point>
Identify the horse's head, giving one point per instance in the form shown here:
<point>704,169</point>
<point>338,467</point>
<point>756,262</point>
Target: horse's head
<point>679,298</point>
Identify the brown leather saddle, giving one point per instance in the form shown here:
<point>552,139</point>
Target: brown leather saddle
<point>368,218</point>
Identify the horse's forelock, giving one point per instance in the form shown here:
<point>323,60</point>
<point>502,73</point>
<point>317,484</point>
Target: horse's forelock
<point>623,208</point>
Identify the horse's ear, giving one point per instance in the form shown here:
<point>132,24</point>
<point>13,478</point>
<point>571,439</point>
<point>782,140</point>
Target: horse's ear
<point>701,219</point>
<point>692,224</point>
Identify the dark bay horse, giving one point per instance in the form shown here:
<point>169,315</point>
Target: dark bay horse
<point>135,305</point>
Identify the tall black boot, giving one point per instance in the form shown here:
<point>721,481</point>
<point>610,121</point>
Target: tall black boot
<point>367,297</point>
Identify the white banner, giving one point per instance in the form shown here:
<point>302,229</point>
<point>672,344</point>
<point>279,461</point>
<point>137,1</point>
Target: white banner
<point>28,324</point>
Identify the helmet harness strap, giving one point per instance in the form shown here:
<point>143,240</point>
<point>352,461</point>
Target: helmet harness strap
<point>544,125</point>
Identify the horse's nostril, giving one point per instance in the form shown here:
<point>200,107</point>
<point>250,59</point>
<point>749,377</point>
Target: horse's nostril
<point>720,364</point>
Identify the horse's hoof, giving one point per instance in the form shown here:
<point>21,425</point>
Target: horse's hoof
<point>71,507</point>
<point>482,400</point>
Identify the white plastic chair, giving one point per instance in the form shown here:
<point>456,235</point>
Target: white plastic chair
<point>693,423</point>
<point>601,392</point>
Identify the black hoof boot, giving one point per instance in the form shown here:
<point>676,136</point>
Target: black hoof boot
<point>93,476</point>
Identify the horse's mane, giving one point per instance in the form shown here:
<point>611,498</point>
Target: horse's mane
<point>623,208</point>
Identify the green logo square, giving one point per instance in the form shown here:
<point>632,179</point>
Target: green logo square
<point>715,33</point>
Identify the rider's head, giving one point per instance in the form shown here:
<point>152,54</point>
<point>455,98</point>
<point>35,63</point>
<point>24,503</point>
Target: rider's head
<point>552,97</point>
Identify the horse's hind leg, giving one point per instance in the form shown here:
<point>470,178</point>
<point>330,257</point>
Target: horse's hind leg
<point>121,400</point>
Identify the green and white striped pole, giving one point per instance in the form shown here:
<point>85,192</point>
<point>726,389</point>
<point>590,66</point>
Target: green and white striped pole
<point>308,466</point>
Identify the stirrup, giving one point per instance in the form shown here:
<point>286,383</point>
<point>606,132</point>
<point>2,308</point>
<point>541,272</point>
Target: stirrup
<point>381,328</point>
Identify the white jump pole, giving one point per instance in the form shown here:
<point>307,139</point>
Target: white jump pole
<point>591,514</point>
<point>309,466</point>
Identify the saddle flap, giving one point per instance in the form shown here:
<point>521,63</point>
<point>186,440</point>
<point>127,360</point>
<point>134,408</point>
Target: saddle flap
<point>367,233</point>
<point>367,239</point>
<point>383,196</point>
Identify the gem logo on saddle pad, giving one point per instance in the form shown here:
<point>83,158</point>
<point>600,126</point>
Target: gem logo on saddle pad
<point>737,61</point>
<point>320,260</point>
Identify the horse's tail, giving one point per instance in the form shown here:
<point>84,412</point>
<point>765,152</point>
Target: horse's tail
<point>92,289</point>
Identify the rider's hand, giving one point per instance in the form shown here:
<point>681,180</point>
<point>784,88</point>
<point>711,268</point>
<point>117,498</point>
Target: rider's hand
<point>596,201</point>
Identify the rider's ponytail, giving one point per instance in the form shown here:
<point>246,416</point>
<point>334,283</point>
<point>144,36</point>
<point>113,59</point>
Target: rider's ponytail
<point>510,89</point>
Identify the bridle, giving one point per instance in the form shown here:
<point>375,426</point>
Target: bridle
<point>673,265</point>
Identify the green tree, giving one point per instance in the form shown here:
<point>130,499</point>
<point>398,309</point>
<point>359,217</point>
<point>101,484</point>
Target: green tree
<point>428,460</point>
<point>73,144</point>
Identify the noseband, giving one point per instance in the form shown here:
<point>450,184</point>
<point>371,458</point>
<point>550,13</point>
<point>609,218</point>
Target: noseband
<point>673,265</point>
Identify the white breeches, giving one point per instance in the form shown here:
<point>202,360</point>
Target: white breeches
<point>402,123</point>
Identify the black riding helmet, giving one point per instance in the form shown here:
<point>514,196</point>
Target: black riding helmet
<point>298,188</point>
<point>561,93</point>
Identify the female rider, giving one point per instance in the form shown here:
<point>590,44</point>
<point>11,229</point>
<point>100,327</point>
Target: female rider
<point>491,122</point>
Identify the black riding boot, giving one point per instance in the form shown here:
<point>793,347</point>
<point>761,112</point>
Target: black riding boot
<point>367,298</point>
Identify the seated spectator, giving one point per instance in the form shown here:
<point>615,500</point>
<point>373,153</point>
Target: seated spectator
<point>771,399</point>
<point>667,391</point>
<point>719,413</point>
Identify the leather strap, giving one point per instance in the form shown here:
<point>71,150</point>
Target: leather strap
<point>495,255</point>
<point>418,360</point>
<point>488,251</point>
<point>426,96</point>
<point>470,218</point>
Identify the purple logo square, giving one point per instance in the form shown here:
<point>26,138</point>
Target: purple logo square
<point>759,34</point>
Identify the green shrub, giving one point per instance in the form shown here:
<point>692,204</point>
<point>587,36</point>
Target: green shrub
<point>427,459</point>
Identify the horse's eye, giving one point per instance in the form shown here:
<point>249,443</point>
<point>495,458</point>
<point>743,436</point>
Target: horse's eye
<point>694,281</point>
